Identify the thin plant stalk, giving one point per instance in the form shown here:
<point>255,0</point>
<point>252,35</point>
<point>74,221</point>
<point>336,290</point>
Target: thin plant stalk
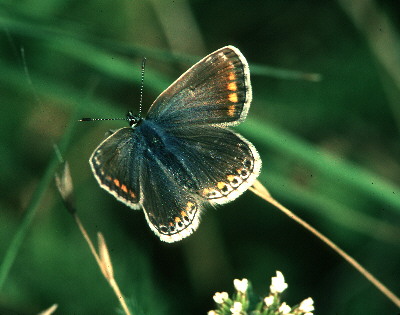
<point>65,187</point>
<point>104,262</point>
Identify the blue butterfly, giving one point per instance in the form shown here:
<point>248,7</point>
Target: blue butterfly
<point>182,156</point>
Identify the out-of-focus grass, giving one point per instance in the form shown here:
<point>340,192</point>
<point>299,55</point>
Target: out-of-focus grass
<point>330,152</point>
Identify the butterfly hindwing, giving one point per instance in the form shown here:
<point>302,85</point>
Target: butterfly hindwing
<point>221,163</point>
<point>172,210</point>
<point>116,166</point>
<point>216,91</point>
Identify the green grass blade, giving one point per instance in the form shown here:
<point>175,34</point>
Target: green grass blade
<point>344,171</point>
<point>37,196</point>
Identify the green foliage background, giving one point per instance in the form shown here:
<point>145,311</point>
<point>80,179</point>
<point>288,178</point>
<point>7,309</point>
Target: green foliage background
<point>330,151</point>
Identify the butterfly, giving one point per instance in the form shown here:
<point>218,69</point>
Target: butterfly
<point>182,157</point>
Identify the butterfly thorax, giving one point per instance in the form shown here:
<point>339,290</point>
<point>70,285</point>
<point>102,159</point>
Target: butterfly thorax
<point>153,135</point>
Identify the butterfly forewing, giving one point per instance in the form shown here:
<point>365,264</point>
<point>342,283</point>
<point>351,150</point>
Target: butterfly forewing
<point>216,91</point>
<point>116,166</point>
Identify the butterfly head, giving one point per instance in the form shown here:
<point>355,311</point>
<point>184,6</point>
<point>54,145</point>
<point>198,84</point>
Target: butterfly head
<point>134,120</point>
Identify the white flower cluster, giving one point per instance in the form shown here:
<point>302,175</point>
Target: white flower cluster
<point>307,306</point>
<point>239,304</point>
<point>241,285</point>
<point>278,284</point>
<point>236,309</point>
<point>220,297</point>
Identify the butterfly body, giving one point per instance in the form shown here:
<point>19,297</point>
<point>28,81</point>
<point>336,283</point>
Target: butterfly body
<point>182,156</point>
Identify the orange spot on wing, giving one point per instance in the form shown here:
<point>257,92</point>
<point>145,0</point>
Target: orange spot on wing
<point>189,206</point>
<point>233,97</point>
<point>231,110</point>
<point>123,187</point>
<point>230,177</point>
<point>232,86</point>
<point>177,219</point>
<point>221,185</point>
<point>132,194</point>
<point>116,182</point>
<point>231,76</point>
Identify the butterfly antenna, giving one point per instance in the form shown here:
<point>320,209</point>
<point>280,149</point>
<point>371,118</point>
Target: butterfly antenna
<point>141,86</point>
<point>129,116</point>
<point>96,119</point>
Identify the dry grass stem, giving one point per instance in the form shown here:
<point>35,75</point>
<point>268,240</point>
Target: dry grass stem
<point>260,190</point>
<point>65,187</point>
<point>50,310</point>
<point>104,261</point>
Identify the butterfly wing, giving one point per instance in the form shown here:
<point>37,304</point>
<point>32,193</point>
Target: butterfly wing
<point>221,163</point>
<point>116,166</point>
<point>172,210</point>
<point>216,91</point>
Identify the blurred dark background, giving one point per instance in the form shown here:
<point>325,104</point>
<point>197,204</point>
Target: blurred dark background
<point>325,118</point>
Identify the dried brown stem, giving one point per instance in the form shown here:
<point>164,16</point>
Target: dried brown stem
<point>104,262</point>
<point>262,192</point>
